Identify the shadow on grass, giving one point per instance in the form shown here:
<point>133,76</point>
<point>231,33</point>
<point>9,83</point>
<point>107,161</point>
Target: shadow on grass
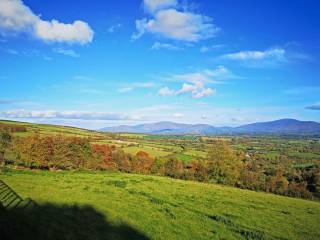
<point>55,222</point>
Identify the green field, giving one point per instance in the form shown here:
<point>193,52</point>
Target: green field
<point>164,208</point>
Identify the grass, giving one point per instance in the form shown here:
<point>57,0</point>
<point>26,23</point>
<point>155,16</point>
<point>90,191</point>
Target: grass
<point>163,208</point>
<point>183,157</point>
<point>154,152</point>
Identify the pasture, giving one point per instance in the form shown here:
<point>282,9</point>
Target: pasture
<point>164,208</point>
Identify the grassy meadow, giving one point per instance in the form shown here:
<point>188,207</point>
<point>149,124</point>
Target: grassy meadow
<point>164,208</point>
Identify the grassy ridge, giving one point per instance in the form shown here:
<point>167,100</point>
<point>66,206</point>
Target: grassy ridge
<point>163,208</point>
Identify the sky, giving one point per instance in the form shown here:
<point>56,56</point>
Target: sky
<point>94,64</point>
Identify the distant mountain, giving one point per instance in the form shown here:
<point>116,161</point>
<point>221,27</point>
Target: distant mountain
<point>282,126</point>
<point>164,128</point>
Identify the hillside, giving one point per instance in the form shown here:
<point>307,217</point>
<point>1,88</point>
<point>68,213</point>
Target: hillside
<point>282,126</point>
<point>48,129</point>
<point>163,208</point>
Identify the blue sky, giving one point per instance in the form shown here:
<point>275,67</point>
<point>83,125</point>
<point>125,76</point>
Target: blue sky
<point>101,63</point>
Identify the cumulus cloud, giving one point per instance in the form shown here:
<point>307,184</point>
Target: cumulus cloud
<point>168,46</point>
<point>67,115</point>
<point>169,22</point>
<point>273,53</point>
<point>15,17</point>
<point>195,83</point>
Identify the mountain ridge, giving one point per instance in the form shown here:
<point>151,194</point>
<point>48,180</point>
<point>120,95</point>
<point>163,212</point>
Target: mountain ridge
<point>280,126</point>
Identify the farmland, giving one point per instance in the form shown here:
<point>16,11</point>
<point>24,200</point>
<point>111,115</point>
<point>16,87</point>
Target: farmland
<point>286,165</point>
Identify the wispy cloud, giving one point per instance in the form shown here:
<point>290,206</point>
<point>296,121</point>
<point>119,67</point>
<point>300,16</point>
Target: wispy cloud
<point>12,51</point>
<point>169,22</point>
<point>168,46</point>
<point>136,85</point>
<point>26,53</point>
<point>273,53</point>
<point>114,27</point>
<point>205,49</point>
<point>66,52</point>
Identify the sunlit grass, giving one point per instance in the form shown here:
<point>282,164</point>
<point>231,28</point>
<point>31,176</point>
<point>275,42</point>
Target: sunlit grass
<point>164,208</point>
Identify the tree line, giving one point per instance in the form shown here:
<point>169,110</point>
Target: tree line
<point>223,164</point>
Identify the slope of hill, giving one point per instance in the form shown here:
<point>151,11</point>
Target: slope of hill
<point>164,208</point>
<point>282,126</point>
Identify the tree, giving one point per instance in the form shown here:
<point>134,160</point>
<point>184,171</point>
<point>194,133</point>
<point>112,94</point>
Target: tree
<point>278,183</point>
<point>224,163</point>
<point>142,163</point>
<point>5,140</point>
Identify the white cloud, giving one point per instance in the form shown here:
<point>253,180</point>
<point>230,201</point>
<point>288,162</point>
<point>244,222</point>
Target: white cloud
<point>67,115</point>
<point>272,53</point>
<point>189,88</point>
<point>194,83</point>
<point>158,46</point>
<point>165,91</point>
<point>67,52</point>
<point>204,93</point>
<point>168,22</point>
<point>55,31</point>
<point>15,17</point>
<point>154,5</point>
<point>203,116</point>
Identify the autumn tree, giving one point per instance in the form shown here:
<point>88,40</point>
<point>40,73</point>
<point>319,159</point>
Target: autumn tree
<point>224,164</point>
<point>5,140</point>
<point>142,163</point>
